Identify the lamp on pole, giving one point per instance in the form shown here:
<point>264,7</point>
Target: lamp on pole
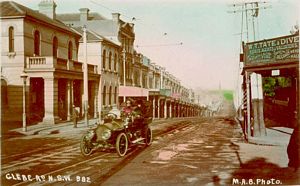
<point>124,70</point>
<point>24,77</point>
<point>85,77</point>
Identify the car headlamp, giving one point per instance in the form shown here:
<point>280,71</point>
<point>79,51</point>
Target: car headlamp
<point>106,134</point>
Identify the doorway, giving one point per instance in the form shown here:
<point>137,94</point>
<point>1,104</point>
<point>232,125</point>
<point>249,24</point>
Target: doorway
<point>37,103</point>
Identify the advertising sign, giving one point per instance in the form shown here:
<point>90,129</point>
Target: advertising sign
<point>273,50</point>
<point>165,92</point>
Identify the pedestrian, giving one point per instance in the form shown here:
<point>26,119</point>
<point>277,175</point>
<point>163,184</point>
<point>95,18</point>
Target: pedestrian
<point>127,110</point>
<point>75,116</point>
<point>293,149</point>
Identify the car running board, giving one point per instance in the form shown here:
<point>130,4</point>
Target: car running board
<point>138,140</point>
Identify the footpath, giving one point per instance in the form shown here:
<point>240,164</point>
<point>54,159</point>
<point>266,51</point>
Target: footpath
<point>272,147</point>
<point>65,127</point>
<point>265,158</point>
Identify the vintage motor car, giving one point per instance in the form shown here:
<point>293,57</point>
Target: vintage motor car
<point>117,132</point>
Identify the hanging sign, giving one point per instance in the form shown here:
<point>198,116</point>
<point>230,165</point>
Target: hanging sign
<point>275,72</point>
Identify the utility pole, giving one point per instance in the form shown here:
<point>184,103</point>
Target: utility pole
<point>24,77</point>
<point>249,13</point>
<point>85,78</point>
<point>251,9</point>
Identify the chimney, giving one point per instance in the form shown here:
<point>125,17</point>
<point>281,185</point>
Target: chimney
<point>48,7</point>
<point>84,14</point>
<point>131,24</point>
<point>115,17</point>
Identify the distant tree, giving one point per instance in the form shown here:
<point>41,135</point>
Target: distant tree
<point>270,84</point>
<point>228,95</point>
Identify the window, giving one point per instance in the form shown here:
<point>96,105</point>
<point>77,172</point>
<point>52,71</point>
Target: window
<point>121,76</point>
<point>4,98</point>
<point>115,62</point>
<point>127,70</point>
<point>109,60</point>
<point>104,96</point>
<point>116,95</point>
<point>70,51</point>
<point>109,95</point>
<point>37,43</point>
<point>11,39</point>
<point>103,59</point>
<point>55,47</point>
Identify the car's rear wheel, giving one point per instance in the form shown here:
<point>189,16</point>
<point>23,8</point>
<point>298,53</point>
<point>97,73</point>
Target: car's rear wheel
<point>122,144</point>
<point>148,136</point>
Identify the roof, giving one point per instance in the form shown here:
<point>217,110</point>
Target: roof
<point>92,36</point>
<point>96,22</point>
<point>12,9</point>
<point>76,16</point>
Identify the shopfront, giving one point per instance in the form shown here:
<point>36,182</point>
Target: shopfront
<point>271,84</point>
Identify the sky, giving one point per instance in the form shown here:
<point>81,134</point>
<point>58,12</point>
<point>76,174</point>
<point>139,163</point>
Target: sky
<point>198,41</point>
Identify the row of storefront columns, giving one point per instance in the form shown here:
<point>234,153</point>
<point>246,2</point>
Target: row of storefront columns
<point>69,99</point>
<point>51,101</point>
<point>59,102</point>
<point>170,110</point>
<point>298,93</point>
<point>165,108</point>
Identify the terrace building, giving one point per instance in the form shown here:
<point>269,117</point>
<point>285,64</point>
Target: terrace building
<point>36,43</point>
<point>49,49</point>
<point>117,53</point>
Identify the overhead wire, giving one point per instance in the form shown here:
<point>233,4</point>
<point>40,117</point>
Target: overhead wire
<point>141,23</point>
<point>160,45</point>
<point>111,10</point>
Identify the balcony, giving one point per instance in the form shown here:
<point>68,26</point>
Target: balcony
<point>50,62</point>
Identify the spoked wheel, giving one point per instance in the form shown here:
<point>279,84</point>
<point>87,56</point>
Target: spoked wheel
<point>122,144</point>
<point>86,146</point>
<point>148,136</point>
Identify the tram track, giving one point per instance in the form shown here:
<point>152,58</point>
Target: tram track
<point>10,158</point>
<point>111,167</point>
<point>132,154</point>
<point>101,179</point>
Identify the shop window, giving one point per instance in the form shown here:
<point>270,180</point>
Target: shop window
<point>11,36</point>
<point>70,51</point>
<point>37,41</point>
<point>55,47</point>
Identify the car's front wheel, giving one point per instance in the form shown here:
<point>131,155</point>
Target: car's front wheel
<point>86,146</point>
<point>122,144</point>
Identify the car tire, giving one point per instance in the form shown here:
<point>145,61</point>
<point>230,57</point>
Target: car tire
<point>122,144</point>
<point>85,145</point>
<point>148,136</point>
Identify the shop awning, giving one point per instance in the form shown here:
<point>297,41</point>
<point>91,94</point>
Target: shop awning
<point>129,91</point>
